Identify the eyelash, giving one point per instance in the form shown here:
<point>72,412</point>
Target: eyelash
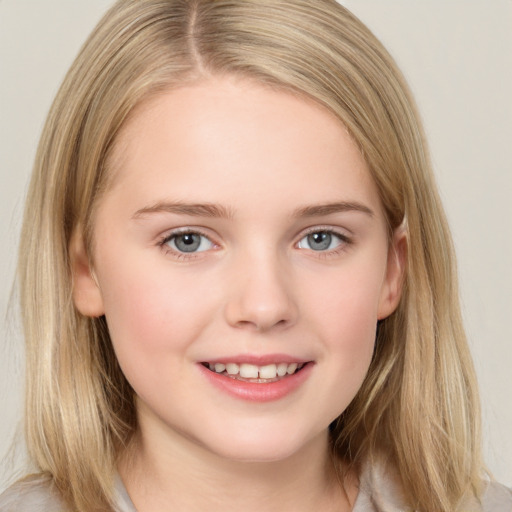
<point>180,232</point>
<point>345,241</point>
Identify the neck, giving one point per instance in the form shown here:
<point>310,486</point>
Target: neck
<point>185,476</point>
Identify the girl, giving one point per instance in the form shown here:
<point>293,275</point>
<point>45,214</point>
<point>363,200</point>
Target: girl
<point>236,276</point>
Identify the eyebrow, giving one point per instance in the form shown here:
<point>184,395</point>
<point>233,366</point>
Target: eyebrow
<point>329,208</point>
<point>218,211</point>
<point>193,209</point>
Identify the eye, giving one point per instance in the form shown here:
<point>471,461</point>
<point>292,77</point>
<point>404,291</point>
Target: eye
<point>322,240</point>
<point>188,242</point>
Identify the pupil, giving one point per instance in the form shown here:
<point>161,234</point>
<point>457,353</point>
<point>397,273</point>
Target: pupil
<point>319,241</point>
<point>188,242</point>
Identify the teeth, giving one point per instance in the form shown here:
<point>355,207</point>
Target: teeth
<point>248,371</point>
<point>232,368</point>
<point>282,369</point>
<point>268,372</point>
<point>291,368</point>
<point>251,371</point>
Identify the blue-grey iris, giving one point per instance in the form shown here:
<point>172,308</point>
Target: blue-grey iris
<point>319,241</point>
<point>188,242</point>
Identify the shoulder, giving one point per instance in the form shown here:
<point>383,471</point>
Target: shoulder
<point>380,490</point>
<point>496,498</point>
<point>493,498</point>
<point>34,494</point>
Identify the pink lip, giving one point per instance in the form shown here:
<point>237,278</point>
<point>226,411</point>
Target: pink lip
<point>257,391</point>
<point>258,360</point>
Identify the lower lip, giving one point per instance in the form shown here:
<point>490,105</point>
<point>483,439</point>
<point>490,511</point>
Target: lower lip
<point>258,391</point>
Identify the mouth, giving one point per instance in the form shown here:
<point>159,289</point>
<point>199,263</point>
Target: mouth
<point>257,378</point>
<point>246,372</point>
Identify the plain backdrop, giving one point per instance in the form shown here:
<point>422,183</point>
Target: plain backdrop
<point>457,56</point>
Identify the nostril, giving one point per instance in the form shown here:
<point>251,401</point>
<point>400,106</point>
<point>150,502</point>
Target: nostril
<point>259,325</point>
<point>260,304</point>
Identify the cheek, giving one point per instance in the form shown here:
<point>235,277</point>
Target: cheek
<point>352,339</point>
<point>347,306</point>
<point>345,314</point>
<point>152,318</point>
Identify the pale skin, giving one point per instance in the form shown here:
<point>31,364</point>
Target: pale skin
<point>292,257</point>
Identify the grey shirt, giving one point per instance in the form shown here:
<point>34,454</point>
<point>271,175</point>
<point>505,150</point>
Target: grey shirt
<point>378,492</point>
<point>39,495</point>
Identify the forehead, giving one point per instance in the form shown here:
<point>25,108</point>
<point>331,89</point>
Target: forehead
<point>228,130</point>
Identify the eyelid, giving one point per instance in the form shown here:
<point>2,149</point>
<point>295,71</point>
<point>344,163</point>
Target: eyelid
<point>344,234</point>
<point>345,240</point>
<point>164,239</point>
<point>183,231</point>
<point>341,233</point>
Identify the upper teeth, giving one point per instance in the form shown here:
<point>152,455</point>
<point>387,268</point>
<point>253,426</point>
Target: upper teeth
<point>251,371</point>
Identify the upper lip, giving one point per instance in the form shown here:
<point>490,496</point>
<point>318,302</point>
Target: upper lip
<point>258,360</point>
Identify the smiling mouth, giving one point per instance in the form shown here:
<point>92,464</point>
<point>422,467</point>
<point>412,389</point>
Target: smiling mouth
<point>253,373</point>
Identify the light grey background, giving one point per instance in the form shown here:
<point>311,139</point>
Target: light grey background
<point>457,56</point>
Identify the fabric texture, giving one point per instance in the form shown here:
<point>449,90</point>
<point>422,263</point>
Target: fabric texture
<point>38,494</point>
<point>379,492</point>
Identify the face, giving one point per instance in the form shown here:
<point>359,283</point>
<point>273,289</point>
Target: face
<point>242,261</point>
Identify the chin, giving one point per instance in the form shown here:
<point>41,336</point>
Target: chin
<point>257,455</point>
<point>253,446</point>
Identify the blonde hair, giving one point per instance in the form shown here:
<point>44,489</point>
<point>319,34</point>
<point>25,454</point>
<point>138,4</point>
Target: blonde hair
<point>418,406</point>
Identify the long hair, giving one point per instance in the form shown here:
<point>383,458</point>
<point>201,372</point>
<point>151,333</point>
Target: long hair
<point>418,406</point>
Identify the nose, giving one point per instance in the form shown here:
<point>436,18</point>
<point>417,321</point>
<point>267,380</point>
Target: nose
<point>260,295</point>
